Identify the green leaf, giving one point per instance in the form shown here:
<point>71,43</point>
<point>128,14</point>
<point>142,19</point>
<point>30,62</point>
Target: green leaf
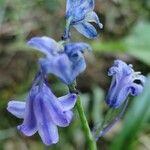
<point>137,115</point>
<point>138,42</point>
<point>108,46</point>
<point>85,101</point>
<point>1,2</point>
<point>2,10</point>
<point>98,99</point>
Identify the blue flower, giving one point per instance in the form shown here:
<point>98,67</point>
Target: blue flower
<point>66,61</point>
<point>43,112</point>
<point>80,14</point>
<point>125,81</point>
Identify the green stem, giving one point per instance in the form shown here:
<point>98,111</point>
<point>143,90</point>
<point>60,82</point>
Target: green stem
<point>91,142</point>
<point>86,129</point>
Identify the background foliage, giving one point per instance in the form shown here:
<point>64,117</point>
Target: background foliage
<point>126,35</point>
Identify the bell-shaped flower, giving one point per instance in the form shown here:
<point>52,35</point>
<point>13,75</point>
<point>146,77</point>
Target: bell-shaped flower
<point>125,82</point>
<point>66,61</point>
<point>43,112</point>
<point>80,14</point>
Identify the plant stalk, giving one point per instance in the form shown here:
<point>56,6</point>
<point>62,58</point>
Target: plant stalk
<point>86,129</point>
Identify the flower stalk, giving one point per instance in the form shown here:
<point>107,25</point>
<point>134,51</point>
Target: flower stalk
<point>86,129</point>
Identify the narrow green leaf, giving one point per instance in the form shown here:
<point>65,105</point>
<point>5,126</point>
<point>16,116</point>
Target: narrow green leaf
<point>138,42</point>
<point>108,46</point>
<point>98,99</point>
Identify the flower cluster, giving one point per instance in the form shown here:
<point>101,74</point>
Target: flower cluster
<point>43,112</point>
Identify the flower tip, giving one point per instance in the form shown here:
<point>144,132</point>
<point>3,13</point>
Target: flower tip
<point>34,40</point>
<point>101,25</point>
<point>10,106</point>
<point>30,43</point>
<point>25,131</point>
<point>74,96</point>
<point>49,143</point>
<point>19,127</point>
<point>89,48</point>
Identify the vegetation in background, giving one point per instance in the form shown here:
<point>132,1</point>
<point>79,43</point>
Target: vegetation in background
<point>126,35</point>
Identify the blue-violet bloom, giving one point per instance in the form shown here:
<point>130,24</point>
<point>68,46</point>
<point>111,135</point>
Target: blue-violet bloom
<point>43,112</point>
<point>66,61</point>
<point>125,81</point>
<point>80,14</point>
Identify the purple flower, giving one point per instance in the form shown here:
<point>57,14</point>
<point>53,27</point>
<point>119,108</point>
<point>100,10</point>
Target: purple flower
<point>66,61</point>
<point>125,82</point>
<point>43,112</point>
<point>80,14</point>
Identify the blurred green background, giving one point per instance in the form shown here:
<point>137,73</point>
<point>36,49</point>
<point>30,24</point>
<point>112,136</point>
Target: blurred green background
<point>126,35</point>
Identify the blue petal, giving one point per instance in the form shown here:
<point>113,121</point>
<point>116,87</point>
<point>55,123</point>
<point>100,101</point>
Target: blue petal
<point>86,29</point>
<point>58,115</point>
<point>45,45</point>
<point>68,101</point>
<point>29,126</point>
<point>92,17</point>
<point>71,4</point>
<point>64,68</point>
<point>81,46</point>
<point>55,109</point>
<point>46,128</point>
<point>60,66</point>
<point>115,98</point>
<point>75,50</point>
<point>89,5</point>
<point>121,97</point>
<point>17,108</point>
<point>133,89</point>
<point>78,68</point>
<point>136,89</point>
<point>75,15</point>
<point>120,69</point>
<point>69,115</point>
